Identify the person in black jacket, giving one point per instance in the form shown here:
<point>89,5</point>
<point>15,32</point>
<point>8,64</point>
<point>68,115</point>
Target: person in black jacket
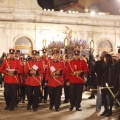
<point>3,57</point>
<point>98,69</point>
<point>91,76</point>
<point>106,96</point>
<point>116,78</point>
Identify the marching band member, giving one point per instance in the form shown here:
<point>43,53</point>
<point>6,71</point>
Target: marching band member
<point>33,70</point>
<point>54,80</point>
<point>75,71</point>
<point>11,68</point>
<point>45,61</point>
<point>22,79</point>
<point>66,88</point>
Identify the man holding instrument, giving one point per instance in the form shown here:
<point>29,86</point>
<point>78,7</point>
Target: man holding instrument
<point>33,70</point>
<point>54,80</point>
<point>75,75</point>
<point>11,68</point>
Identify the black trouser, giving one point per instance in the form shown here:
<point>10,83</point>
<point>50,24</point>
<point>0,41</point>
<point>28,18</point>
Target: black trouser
<point>45,89</point>
<point>22,88</point>
<point>55,96</point>
<point>10,93</point>
<point>66,91</point>
<point>76,90</point>
<point>33,95</point>
<point>107,100</point>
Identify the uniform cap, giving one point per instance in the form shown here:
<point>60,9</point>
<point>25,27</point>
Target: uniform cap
<point>34,52</point>
<point>17,51</point>
<point>44,50</point>
<point>11,51</point>
<point>55,51</point>
<point>76,52</point>
<point>66,56</point>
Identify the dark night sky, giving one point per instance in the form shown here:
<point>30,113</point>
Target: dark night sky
<point>48,4</point>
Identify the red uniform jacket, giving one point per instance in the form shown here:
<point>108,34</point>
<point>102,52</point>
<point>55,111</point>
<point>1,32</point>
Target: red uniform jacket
<point>45,62</point>
<point>65,71</point>
<point>22,77</point>
<point>54,82</point>
<point>76,65</point>
<point>11,64</point>
<point>30,80</point>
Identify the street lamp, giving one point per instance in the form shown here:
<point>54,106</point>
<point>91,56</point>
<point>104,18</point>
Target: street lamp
<point>44,43</point>
<point>92,44</point>
<point>66,42</point>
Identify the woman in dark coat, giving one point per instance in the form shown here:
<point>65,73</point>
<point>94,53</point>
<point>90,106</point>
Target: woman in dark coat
<point>3,57</point>
<point>106,96</point>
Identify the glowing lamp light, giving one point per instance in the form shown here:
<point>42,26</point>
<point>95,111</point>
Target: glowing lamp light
<point>48,10</point>
<point>45,10</point>
<point>69,11</point>
<point>76,12</point>
<point>52,10</point>
<point>92,44</point>
<point>92,13</point>
<point>61,10</point>
<point>44,43</point>
<point>66,42</point>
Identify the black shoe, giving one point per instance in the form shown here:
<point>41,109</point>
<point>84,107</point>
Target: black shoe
<point>51,107</point>
<point>28,107</point>
<point>65,101</point>
<point>11,109</point>
<point>71,108</point>
<point>91,97</point>
<point>78,109</point>
<point>7,108</point>
<point>109,113</point>
<point>57,109</point>
<point>104,113</point>
<point>35,109</point>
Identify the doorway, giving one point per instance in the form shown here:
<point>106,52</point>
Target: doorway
<point>24,44</point>
<point>104,45</point>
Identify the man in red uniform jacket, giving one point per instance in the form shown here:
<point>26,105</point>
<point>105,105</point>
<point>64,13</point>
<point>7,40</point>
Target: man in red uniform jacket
<point>33,69</point>
<point>11,68</point>
<point>54,80</point>
<point>66,88</point>
<point>45,60</point>
<point>75,75</point>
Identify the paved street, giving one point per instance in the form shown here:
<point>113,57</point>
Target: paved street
<point>87,113</point>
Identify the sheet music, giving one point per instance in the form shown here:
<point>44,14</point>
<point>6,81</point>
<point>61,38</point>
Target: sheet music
<point>35,67</point>
<point>52,68</point>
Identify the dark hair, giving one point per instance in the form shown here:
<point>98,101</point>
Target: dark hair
<point>3,55</point>
<point>109,59</point>
<point>103,54</point>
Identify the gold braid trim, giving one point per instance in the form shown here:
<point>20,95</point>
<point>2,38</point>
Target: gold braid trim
<point>33,75</point>
<point>54,76</point>
<point>75,74</point>
<point>9,74</point>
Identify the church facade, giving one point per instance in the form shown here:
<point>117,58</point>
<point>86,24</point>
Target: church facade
<point>25,26</point>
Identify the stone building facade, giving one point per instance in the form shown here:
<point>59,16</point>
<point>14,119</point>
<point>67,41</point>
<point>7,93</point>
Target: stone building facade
<point>24,25</point>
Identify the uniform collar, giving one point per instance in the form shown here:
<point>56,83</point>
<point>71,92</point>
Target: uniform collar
<point>77,59</point>
<point>12,58</point>
<point>55,60</point>
<point>34,60</point>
